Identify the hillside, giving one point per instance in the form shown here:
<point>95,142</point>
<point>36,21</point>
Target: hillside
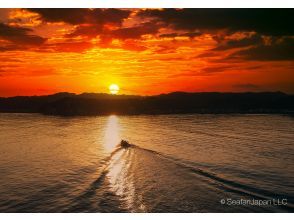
<point>69,104</point>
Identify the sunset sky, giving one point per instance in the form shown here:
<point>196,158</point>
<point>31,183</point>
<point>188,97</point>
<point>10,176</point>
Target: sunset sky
<point>145,51</point>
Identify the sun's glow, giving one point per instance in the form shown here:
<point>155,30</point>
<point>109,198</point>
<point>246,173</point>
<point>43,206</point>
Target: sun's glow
<point>113,89</point>
<point>112,133</point>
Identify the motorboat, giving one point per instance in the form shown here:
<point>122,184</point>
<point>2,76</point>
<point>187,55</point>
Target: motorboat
<point>125,144</point>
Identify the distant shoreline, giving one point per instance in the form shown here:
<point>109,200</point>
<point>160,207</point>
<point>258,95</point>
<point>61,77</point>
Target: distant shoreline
<point>289,114</point>
<point>93,104</point>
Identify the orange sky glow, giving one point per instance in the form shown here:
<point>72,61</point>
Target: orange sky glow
<point>145,52</point>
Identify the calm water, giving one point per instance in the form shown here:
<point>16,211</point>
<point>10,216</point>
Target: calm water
<point>182,163</point>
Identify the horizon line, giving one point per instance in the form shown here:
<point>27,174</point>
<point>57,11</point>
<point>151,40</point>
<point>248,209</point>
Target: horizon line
<point>103,93</point>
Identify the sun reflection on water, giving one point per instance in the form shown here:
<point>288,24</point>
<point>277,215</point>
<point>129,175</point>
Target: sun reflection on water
<point>112,133</point>
<point>119,172</point>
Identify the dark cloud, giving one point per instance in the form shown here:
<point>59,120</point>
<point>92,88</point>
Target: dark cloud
<point>207,55</point>
<point>90,31</point>
<point>187,34</point>
<point>93,22</point>
<point>107,24</point>
<point>78,16</point>
<point>9,47</point>
<point>276,51</point>
<point>216,69</point>
<point>90,22</point>
<point>136,31</point>
<point>224,67</point>
<point>245,42</point>
<point>273,22</point>
<point>18,36</point>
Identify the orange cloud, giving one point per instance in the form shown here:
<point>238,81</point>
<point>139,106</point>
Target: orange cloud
<point>145,51</point>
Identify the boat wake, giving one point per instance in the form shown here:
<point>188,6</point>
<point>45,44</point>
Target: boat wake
<point>137,179</point>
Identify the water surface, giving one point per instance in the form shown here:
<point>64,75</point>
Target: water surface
<point>181,163</point>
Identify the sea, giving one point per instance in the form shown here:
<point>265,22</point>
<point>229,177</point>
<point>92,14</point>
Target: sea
<point>176,163</point>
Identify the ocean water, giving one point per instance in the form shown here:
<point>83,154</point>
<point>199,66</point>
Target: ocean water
<point>181,163</point>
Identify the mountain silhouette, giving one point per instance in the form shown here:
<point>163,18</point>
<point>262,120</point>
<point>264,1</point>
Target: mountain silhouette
<point>70,104</point>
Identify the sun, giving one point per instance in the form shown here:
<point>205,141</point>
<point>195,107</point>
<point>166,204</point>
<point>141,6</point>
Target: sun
<point>113,89</point>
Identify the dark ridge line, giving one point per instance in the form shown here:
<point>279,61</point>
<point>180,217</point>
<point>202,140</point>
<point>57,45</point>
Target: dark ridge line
<point>92,104</point>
